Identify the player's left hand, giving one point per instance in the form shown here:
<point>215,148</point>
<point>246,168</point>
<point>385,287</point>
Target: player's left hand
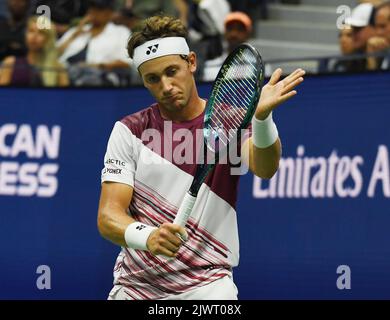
<point>277,91</point>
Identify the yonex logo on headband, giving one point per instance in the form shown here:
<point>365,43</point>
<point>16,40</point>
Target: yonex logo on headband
<point>158,48</point>
<point>151,49</point>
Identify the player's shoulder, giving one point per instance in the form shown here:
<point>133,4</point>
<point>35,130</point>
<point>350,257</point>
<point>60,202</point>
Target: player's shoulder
<point>141,120</point>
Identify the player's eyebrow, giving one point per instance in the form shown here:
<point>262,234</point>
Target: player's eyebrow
<point>165,70</point>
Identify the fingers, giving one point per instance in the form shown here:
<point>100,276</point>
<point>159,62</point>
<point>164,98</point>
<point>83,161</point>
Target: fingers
<point>298,73</point>
<point>169,232</point>
<point>174,228</point>
<point>165,240</point>
<point>293,80</point>
<point>165,252</point>
<point>290,86</point>
<point>275,76</point>
<point>377,42</point>
<point>286,96</point>
<point>165,249</point>
<point>169,248</point>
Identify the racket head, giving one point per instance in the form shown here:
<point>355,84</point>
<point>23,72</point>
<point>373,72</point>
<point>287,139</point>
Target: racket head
<point>234,97</point>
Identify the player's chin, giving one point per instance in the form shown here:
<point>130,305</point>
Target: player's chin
<point>177,105</point>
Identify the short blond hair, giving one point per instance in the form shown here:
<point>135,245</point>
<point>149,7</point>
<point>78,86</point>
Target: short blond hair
<point>156,27</point>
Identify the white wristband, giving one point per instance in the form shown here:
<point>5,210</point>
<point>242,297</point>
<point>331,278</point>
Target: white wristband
<point>137,234</point>
<point>264,132</point>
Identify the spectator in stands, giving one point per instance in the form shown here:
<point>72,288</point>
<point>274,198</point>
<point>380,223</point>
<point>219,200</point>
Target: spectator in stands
<point>347,49</point>
<point>94,49</point>
<point>12,29</point>
<point>63,12</point>
<point>361,22</point>
<point>381,42</point>
<point>130,13</point>
<point>238,29</point>
<point>146,8</point>
<point>40,67</point>
<point>382,21</point>
<point>253,8</point>
<point>375,3</point>
<point>125,16</point>
<point>206,29</point>
<point>353,39</point>
<point>346,41</point>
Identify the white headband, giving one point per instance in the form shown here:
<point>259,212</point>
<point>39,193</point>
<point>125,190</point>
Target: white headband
<point>158,48</point>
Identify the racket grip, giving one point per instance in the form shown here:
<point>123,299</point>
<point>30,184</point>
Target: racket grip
<point>185,210</point>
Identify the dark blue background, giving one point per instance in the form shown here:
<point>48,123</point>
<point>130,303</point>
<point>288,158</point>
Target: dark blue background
<point>290,248</point>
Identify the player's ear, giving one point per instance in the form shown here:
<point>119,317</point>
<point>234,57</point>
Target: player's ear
<point>192,61</point>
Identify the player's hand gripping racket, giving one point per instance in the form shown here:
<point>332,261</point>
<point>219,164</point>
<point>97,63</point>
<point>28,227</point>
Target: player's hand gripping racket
<point>230,108</point>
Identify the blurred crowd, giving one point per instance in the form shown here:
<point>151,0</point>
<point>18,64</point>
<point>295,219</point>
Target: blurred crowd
<point>364,40</point>
<point>83,42</point>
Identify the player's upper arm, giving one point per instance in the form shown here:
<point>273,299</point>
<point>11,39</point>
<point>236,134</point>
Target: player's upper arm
<point>115,197</point>
<point>120,160</point>
<point>117,179</point>
<point>113,216</point>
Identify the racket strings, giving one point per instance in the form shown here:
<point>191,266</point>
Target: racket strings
<point>235,94</point>
<point>233,88</point>
<point>237,71</point>
<point>239,81</point>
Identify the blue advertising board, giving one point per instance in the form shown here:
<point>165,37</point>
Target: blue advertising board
<point>318,229</point>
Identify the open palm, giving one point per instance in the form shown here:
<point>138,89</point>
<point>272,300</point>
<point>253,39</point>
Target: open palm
<point>277,91</point>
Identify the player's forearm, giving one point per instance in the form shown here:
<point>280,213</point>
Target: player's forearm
<point>264,145</point>
<point>264,162</point>
<point>112,224</point>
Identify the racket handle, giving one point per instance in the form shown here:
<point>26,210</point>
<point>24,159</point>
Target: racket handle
<point>185,210</point>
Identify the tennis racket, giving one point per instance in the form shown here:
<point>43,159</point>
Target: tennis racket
<point>230,108</point>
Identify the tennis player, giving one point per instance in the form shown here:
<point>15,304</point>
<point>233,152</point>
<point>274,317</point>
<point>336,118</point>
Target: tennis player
<point>143,183</point>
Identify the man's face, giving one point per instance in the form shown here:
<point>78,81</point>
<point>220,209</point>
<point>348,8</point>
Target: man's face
<point>170,80</point>
<point>346,41</point>
<point>361,36</point>
<point>99,17</point>
<point>235,34</point>
<point>382,23</point>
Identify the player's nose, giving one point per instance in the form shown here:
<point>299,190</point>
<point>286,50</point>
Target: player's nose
<point>166,86</point>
